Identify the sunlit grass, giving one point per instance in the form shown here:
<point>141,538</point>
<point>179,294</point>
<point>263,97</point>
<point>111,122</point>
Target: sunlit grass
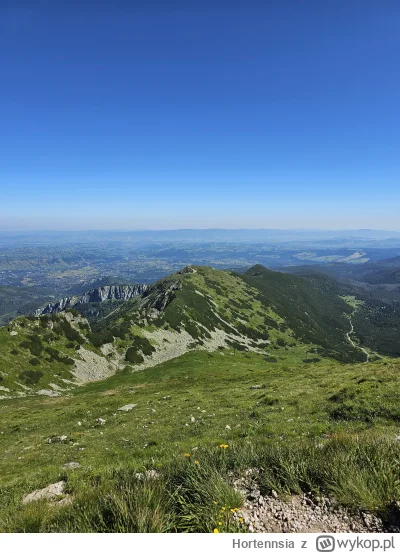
<point>289,427</point>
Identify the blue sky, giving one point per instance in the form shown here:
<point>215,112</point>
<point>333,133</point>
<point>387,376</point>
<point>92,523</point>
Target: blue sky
<point>171,114</point>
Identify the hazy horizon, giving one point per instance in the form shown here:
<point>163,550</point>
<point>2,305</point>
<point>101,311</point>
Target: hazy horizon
<point>204,229</point>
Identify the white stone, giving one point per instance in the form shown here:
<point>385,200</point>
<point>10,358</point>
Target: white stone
<point>55,439</point>
<point>50,493</point>
<point>71,466</point>
<point>127,407</point>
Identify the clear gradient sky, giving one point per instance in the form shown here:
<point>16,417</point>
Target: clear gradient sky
<point>171,114</point>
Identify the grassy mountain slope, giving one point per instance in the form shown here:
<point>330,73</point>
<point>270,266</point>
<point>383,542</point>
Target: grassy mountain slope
<point>228,386</point>
<point>341,417</point>
<point>15,300</point>
<point>377,318</point>
<point>45,354</point>
<point>201,307</point>
<point>312,308</point>
<point>197,308</point>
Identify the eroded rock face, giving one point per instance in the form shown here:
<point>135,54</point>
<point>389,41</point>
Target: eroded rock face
<point>98,295</point>
<point>157,297</point>
<point>113,293</point>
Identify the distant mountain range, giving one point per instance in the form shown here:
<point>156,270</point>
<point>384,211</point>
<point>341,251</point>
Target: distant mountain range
<point>382,272</point>
<point>193,235</point>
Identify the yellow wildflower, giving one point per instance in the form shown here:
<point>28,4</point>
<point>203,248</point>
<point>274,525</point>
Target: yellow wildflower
<point>186,455</point>
<point>223,446</point>
<point>240,519</point>
<point>219,523</point>
<point>214,502</point>
<point>196,462</point>
<point>216,531</point>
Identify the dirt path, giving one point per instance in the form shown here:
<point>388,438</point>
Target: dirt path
<point>351,331</point>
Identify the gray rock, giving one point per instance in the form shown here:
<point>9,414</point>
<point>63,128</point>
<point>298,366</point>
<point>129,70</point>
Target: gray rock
<point>127,407</point>
<point>50,493</point>
<point>71,466</point>
<point>64,501</point>
<point>149,474</point>
<point>57,439</point>
<point>298,513</point>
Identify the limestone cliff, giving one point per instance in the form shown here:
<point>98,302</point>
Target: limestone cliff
<point>98,295</point>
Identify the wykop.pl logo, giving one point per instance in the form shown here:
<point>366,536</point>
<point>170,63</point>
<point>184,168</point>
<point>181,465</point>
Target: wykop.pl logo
<point>325,544</point>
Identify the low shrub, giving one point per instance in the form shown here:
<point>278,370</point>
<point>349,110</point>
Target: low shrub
<point>30,377</point>
<point>133,356</point>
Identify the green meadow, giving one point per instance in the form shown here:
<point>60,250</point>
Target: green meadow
<point>311,426</point>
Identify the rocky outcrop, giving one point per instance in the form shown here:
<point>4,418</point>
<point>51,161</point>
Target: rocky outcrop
<point>50,493</point>
<point>160,294</point>
<point>299,513</point>
<point>98,295</point>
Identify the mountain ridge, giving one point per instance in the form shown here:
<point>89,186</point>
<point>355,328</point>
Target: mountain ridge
<point>276,315</point>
